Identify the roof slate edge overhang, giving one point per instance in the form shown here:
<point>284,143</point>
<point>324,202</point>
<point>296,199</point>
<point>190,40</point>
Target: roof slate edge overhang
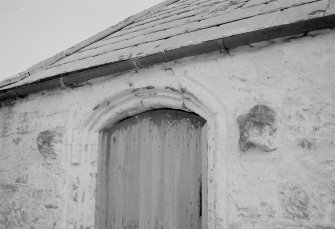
<point>61,55</point>
<point>101,35</point>
<point>73,79</point>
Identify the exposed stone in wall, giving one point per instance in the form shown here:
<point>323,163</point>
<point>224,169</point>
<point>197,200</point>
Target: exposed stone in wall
<point>258,129</point>
<point>7,120</point>
<point>296,202</point>
<point>22,207</point>
<point>27,187</point>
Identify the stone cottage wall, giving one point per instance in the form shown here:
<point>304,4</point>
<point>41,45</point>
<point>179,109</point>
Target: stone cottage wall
<point>274,165</point>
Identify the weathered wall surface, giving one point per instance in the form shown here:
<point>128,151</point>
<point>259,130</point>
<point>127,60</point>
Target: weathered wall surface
<point>285,179</point>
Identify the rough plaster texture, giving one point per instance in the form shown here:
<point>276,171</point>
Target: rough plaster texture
<point>49,141</point>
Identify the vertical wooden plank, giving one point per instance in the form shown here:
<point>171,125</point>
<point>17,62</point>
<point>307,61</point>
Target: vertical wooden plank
<point>119,186</point>
<point>137,151</point>
<point>166,140</point>
<point>146,175</point>
<point>154,168</point>
<point>157,177</point>
<point>113,206</point>
<point>178,208</point>
<point>143,176</point>
<point>204,210</point>
<point>99,189</point>
<point>188,158</point>
<point>190,169</point>
<point>139,172</point>
<point>133,177</point>
<point>182,182</point>
<point>104,178</point>
<point>197,177</point>
<point>112,200</point>
<point>99,217</point>
<point>193,174</point>
<point>127,172</point>
<point>172,150</point>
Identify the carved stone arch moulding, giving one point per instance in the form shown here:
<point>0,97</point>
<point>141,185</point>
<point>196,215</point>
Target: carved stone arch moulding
<point>189,96</point>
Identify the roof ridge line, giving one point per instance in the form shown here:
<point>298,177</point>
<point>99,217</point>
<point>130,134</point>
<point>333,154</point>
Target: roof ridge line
<point>129,20</point>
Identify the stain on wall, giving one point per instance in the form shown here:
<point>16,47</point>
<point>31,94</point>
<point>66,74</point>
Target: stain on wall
<point>46,141</point>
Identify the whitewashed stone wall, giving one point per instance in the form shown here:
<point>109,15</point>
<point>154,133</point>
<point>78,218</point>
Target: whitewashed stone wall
<point>49,140</point>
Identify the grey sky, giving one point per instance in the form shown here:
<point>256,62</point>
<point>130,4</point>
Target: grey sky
<point>33,30</point>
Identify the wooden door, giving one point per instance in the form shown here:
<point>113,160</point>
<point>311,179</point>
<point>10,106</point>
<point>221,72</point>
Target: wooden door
<point>151,172</point>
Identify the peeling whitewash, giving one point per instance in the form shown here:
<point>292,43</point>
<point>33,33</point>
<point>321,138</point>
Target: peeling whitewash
<point>49,140</point>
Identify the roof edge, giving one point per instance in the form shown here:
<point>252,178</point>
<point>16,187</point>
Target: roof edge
<point>57,57</point>
<point>78,78</point>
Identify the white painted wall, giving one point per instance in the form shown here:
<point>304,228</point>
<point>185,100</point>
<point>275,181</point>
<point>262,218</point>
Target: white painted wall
<point>53,185</point>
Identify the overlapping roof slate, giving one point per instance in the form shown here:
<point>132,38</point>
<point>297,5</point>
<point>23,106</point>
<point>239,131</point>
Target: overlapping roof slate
<point>175,25</point>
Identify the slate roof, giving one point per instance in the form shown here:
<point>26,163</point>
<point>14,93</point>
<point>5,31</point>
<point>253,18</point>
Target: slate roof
<point>162,31</point>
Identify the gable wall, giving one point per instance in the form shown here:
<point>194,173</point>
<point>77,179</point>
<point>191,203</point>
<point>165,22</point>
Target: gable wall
<point>48,170</point>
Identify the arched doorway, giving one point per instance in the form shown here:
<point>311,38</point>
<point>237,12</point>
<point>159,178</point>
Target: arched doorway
<point>153,171</point>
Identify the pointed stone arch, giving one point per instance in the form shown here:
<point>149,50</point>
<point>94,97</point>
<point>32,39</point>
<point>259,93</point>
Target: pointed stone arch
<point>184,94</point>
